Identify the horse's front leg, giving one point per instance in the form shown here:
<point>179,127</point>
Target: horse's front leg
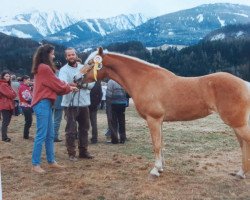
<point>156,135</point>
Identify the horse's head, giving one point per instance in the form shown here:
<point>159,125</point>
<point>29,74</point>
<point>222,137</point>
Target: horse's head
<point>93,69</point>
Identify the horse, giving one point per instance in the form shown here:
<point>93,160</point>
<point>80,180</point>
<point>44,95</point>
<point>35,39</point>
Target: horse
<point>159,96</point>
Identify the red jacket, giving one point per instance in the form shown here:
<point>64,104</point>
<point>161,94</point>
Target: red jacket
<point>25,95</point>
<point>47,85</point>
<point>7,96</point>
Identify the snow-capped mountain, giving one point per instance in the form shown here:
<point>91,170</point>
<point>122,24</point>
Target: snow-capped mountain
<point>35,24</point>
<point>231,32</point>
<point>89,29</point>
<point>184,27</point>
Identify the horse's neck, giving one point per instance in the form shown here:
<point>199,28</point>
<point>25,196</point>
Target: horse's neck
<point>129,73</point>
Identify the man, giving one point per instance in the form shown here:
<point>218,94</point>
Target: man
<point>76,108</point>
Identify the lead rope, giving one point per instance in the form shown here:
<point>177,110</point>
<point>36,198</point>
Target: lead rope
<point>71,104</point>
<point>78,100</point>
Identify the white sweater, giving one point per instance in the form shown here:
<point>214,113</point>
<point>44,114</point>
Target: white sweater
<point>80,98</point>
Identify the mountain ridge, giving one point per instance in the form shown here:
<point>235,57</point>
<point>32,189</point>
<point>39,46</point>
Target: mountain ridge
<point>185,27</point>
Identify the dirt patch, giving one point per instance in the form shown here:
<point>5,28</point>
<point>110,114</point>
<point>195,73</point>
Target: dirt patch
<point>199,156</point>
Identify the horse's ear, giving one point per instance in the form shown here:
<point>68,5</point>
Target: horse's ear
<point>100,51</point>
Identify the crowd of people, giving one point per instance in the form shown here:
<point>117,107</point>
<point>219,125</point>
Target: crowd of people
<point>53,92</point>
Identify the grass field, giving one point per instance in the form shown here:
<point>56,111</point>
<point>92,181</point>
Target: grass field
<point>199,156</point>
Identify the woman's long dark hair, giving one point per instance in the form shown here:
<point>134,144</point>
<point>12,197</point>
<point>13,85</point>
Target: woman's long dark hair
<point>3,74</point>
<point>42,56</point>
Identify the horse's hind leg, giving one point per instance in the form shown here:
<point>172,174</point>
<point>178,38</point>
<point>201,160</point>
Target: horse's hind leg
<point>155,131</point>
<point>243,136</point>
<point>162,150</point>
<point>244,133</point>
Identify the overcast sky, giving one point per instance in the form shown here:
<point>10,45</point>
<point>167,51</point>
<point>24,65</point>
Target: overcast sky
<point>106,8</point>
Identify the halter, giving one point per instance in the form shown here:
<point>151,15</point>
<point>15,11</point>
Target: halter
<point>78,78</point>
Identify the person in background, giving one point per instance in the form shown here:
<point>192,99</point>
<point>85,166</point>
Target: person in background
<point>103,101</point>
<point>76,108</point>
<point>7,96</point>
<point>15,84</point>
<point>46,87</point>
<point>95,99</point>
<point>79,60</point>
<point>109,116</point>
<point>57,108</point>
<point>119,103</point>
<point>25,97</point>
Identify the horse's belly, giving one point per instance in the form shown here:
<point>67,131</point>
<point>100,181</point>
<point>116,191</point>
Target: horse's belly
<point>187,112</point>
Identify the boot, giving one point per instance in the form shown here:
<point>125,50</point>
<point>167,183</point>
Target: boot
<point>114,140</point>
<point>85,155</point>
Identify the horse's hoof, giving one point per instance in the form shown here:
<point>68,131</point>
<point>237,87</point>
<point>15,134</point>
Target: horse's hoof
<point>238,175</point>
<point>152,177</point>
<point>241,174</point>
<point>154,172</point>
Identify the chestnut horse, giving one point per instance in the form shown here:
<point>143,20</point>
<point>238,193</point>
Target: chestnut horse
<point>159,95</point>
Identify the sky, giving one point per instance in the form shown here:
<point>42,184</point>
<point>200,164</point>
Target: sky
<point>106,8</point>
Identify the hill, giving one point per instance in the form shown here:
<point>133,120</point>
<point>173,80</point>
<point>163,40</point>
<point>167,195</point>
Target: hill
<point>16,53</point>
<point>230,32</point>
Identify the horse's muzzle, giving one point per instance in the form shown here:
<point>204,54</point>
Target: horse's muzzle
<point>78,79</point>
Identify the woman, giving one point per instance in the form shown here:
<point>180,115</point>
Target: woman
<point>46,87</point>
<point>7,96</point>
<point>25,97</point>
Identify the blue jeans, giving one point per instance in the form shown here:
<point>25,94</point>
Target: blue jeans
<point>44,133</point>
<point>57,120</point>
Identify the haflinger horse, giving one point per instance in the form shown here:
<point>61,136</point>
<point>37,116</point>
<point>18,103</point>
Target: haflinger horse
<point>159,95</point>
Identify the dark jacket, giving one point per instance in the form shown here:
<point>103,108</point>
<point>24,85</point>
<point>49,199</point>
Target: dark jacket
<point>95,95</point>
<point>116,93</point>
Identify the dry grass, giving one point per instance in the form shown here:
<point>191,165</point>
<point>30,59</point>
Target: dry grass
<point>199,157</point>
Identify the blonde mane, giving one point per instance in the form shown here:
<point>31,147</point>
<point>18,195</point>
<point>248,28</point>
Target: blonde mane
<point>135,59</point>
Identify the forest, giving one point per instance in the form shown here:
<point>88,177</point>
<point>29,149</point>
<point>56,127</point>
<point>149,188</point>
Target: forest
<point>203,58</point>
<point>206,57</point>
